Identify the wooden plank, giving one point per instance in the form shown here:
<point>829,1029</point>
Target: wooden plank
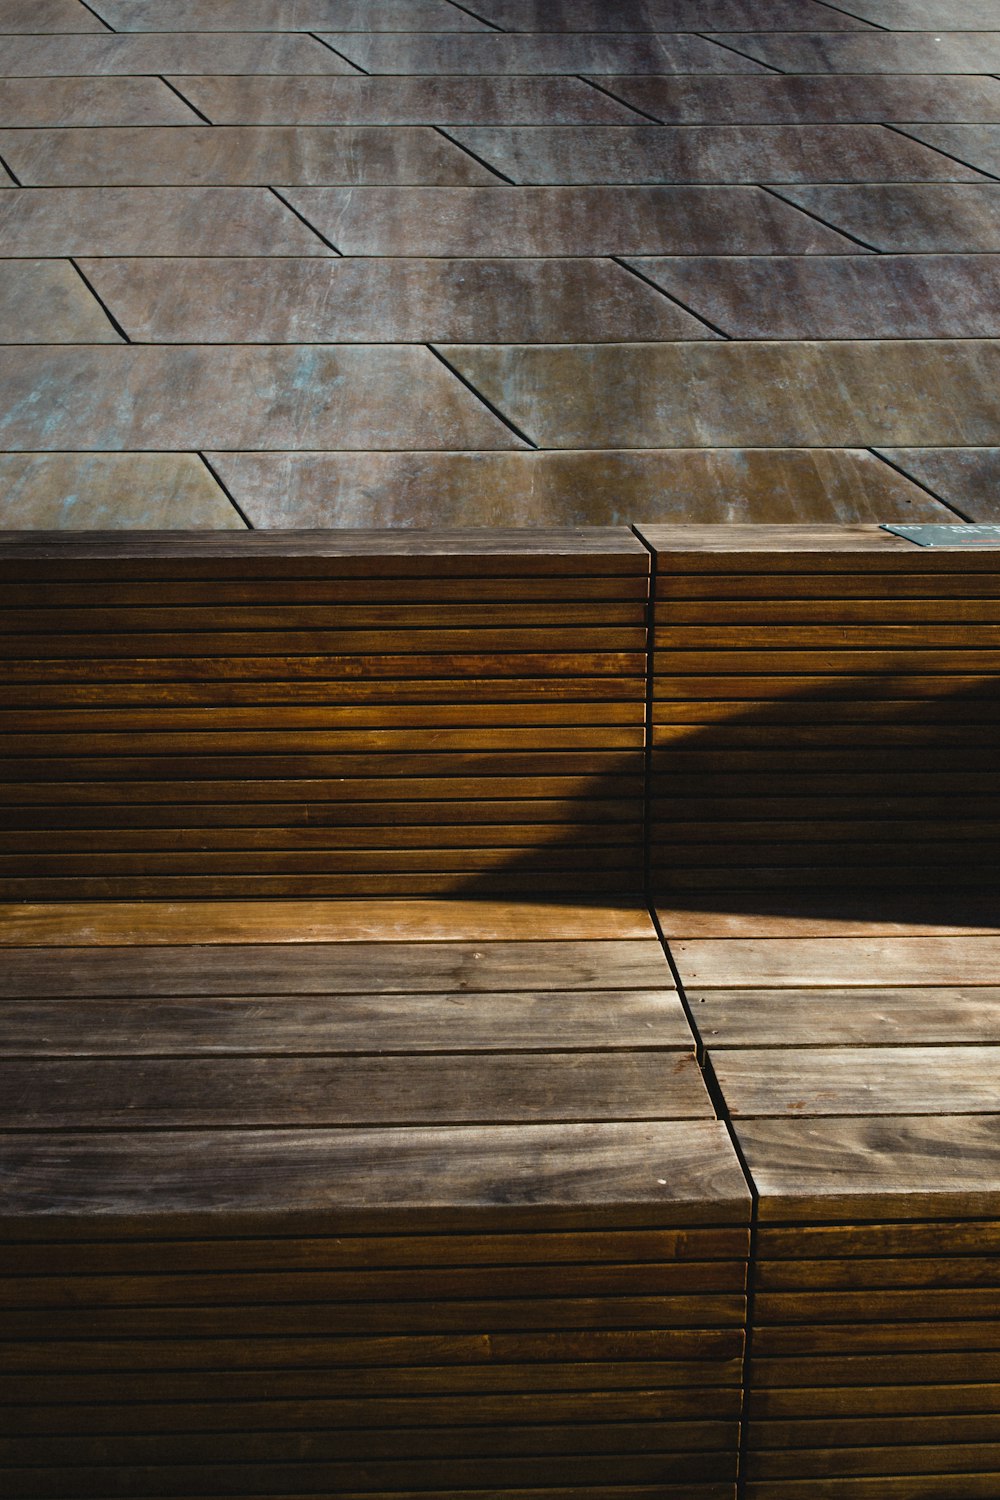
<point>544,855</point>
<point>153,1328</point>
<point>486,1178</point>
<point>438,590</point>
<point>881,1305</point>
<point>337,647</point>
<point>469,665</point>
<point>506,881</point>
<point>860,1273</point>
<point>299,965</point>
<point>398,789</point>
<point>674,1409</point>
<point>418,1441</point>
<point>567,1021</point>
<point>909,1459</point>
<point>765,687</point>
<point>772,963</point>
<point>267,741</point>
<point>803,915</point>
<point>222,691</point>
<point>873,1017</point>
<point>935,1486</point>
<point>370,719</point>
<point>388,1252</point>
<point>414,1474</point>
<point>239,1092</point>
<point>719,1375</point>
<point>957,1237</point>
<point>765,638</point>
<point>438,767</point>
<point>124,923</point>
<point>869,1373</point>
<point>320,1352</point>
<point>808,1081</point>
<point>52,556</point>
<point>301,814</point>
<point>360,621</point>
<point>364,840</point>
<point>893,1167</point>
<point>439,1284</point>
<point>873,608</point>
<point>949,583</point>
<point>852,1405</point>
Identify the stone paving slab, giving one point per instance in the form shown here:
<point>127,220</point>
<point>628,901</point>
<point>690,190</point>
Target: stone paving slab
<point>399,262</point>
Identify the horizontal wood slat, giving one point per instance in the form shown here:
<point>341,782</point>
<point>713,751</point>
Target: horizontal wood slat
<point>523,655</point>
<point>807,679</point>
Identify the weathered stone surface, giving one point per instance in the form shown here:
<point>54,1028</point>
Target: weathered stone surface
<point>111,491</point>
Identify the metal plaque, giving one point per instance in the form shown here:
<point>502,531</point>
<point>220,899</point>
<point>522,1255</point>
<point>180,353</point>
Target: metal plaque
<point>948,536</point>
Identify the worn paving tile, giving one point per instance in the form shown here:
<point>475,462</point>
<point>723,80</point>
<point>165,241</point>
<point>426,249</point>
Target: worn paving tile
<point>817,98</point>
<point>391,100</point>
<point>967,478</point>
<point>393,301</point>
<point>734,395</point>
<point>506,221</point>
<point>286,15</point>
<point>47,302</point>
<point>179,52</point>
<point>920,15</point>
<point>91,101</point>
<point>665,15</point>
<point>909,217</point>
<point>873,52</point>
<point>237,155</point>
<point>837,297</point>
<point>152,221</point>
<point>496,53</point>
<point>107,491</point>
<point>264,396</point>
<point>979,145</point>
<point>46,15</point>
<point>599,488</point>
<point>703,153</point>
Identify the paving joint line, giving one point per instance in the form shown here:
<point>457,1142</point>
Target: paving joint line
<point>227,492</point>
<point>174,90</point>
<point>11,174</point>
<point>840,9</point>
<point>98,17</point>
<point>292,209</point>
<point>480,397</point>
<point>706,36</point>
<point>491,24</point>
<point>481,160</point>
<point>765,188</point>
<point>619,261</point>
<point>949,155</point>
<point>877,453</point>
<point>644,114</point>
<point>100,300</point>
<point>342,55</point>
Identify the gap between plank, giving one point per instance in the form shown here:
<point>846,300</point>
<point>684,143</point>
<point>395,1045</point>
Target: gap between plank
<point>228,493</point>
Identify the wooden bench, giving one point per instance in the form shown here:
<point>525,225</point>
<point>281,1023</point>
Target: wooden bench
<point>360,1135</point>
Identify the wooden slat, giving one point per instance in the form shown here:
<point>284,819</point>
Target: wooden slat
<point>116,924</point>
<point>772,963</point>
<point>230,1092</point>
<point>872,1017</point>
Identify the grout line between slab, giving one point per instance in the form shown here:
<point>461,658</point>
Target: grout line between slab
<point>292,209</point>
<point>643,114</point>
<point>791,203</point>
<point>100,301</point>
<point>175,90</point>
<point>706,36</point>
<point>227,492</point>
<point>877,453</point>
<point>476,158</point>
<point>330,48</point>
<point>97,17</point>
<point>949,155</point>
<point>480,397</point>
<point>641,276</point>
<point>466,11</point>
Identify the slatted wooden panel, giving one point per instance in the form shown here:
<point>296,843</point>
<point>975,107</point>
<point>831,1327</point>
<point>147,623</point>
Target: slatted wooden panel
<point>442,1208</point>
<point>826,704</point>
<point>334,713</point>
<point>862,1085</point>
